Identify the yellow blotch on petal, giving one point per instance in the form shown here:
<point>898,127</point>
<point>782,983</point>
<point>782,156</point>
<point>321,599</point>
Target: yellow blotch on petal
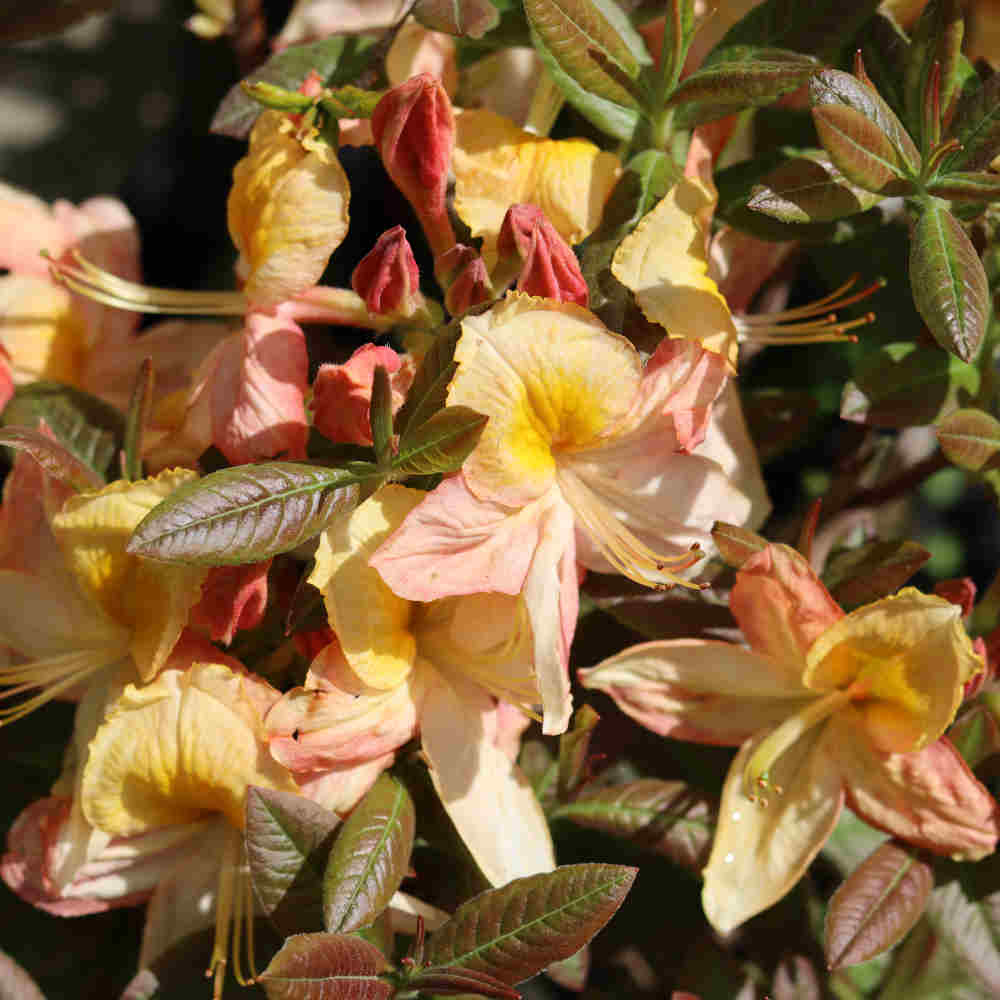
<point>551,378</point>
<point>177,750</point>
<point>665,263</point>
<point>287,210</point>
<point>151,599</point>
<point>372,623</point>
<point>497,165</point>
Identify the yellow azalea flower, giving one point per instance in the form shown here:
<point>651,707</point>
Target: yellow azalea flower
<point>830,708</point>
<point>497,165</point>
<point>287,210</point>
<point>87,604</point>
<point>402,665</point>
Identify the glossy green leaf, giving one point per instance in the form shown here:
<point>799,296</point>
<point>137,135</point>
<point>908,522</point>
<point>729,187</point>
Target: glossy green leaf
<point>350,102</point>
<point>90,429</point>
<point>429,390</point>
<point>735,544</point>
<point>809,189</point>
<point>457,981</point>
<point>514,932</point>
<point>833,88</point>
<point>973,185</point>
<point>288,838</point>
<point>440,445</point>
<point>21,21</point>
<point>935,38</point>
<point>976,125</point>
<point>877,905</point>
<point>872,571</point>
<point>370,857</point>
<point>948,282</point>
<point>905,384</point>
<point>326,967</point>
<point>574,747</point>
<point>246,513</point>
<point>592,53</point>
<point>57,460</point>
<point>969,438</point>
<point>336,59</point>
<point>858,147</point>
<point>668,817</point>
<point>457,17</point>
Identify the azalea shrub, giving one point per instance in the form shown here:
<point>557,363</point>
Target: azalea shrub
<point>568,569</point>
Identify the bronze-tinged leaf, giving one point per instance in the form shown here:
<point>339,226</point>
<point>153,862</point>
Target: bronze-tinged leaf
<point>668,817</point>
<point>736,545</point>
<point>441,444</point>
<point>976,735</point>
<point>969,438</point>
<point>428,392</point>
<point>246,514</point>
<point>969,925</point>
<point>935,38</point>
<point>860,149</point>
<point>380,416</point>
<point>457,17</point>
<point>574,746</point>
<point>454,981</point>
<point>326,967</point>
<point>872,571</point>
<point>948,282</point>
<point>976,126</point>
<point>288,838</point>
<point>57,460</point>
<point>514,932</point>
<point>809,189</point>
<point>877,905</point>
<point>975,185</point>
<point>370,857</point>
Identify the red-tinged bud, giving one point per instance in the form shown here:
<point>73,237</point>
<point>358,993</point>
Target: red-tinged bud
<point>548,268</point>
<point>414,130</point>
<point>471,287</point>
<point>312,85</point>
<point>387,277</point>
<point>960,591</point>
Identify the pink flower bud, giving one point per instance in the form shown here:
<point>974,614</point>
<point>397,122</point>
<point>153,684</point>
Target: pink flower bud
<point>387,276</point>
<point>548,268</point>
<point>961,592</point>
<point>414,130</point>
<point>470,287</point>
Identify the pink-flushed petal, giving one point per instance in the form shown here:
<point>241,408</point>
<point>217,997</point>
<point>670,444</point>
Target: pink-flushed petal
<point>27,227</point>
<point>782,606</point>
<point>487,797</point>
<point>404,910</point>
<point>696,689</point>
<point>929,798</point>
<point>336,719</point>
<point>341,787</point>
<point>232,598</point>
<point>254,385</point>
<point>761,850</point>
<point>342,393</point>
<point>511,724</point>
<point>454,543</point>
<point>741,264</point>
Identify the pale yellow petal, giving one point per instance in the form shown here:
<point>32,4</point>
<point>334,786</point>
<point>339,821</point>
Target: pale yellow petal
<point>371,622</point>
<point>497,165</point>
<point>288,210</point>
<point>665,263</point>
<point>550,377</point>
<point>174,751</point>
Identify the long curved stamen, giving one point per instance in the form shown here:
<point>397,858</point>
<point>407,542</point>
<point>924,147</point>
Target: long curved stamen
<point>233,909</point>
<point>629,555</point>
<point>783,327</point>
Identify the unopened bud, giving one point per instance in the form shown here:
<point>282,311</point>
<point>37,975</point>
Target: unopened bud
<point>414,130</point>
<point>530,247</point>
<point>960,591</point>
<point>387,277</point>
<point>470,287</point>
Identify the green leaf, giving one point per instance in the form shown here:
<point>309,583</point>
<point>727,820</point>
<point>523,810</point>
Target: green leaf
<point>970,926</point>
<point>969,438</point>
<point>350,102</point>
<point>325,967</point>
<point>735,544</point>
<point>885,51</point>
<point>872,571</point>
<point>20,21</point>
<point>976,735</point>
<point>440,445</point>
<point>457,17</point>
<point>833,88</point>
<point>288,838</point>
<point>668,817</point>
<point>583,43</point>
<point>57,460</point>
<point>380,416</point>
<point>936,37</point>
<point>429,390</point>
<point>336,59</point>
<point>370,857</point>
<point>574,746</point>
<point>246,513</point>
<point>91,429</point>
<point>858,147</point>
<point>974,185</point>
<point>905,384</point>
<point>948,282</point>
<point>516,931</point>
<point>809,189</point>
<point>457,981</point>
<point>736,78</point>
<point>877,906</point>
<point>976,126</point>
<point>678,32</point>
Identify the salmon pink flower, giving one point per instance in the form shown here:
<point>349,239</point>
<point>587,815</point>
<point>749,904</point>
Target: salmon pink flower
<point>828,709</point>
<point>588,455</point>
